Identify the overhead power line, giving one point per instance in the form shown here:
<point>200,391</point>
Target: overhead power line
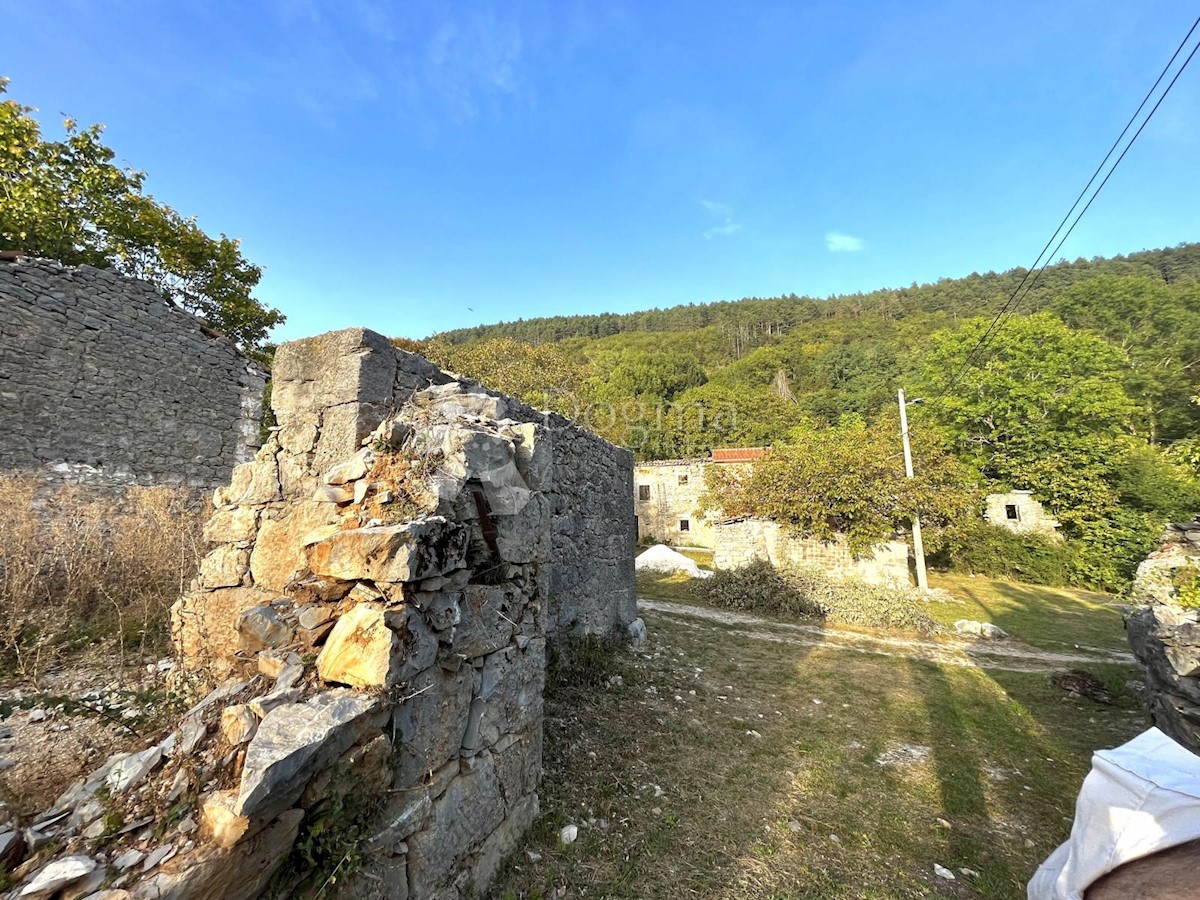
<point>1043,259</point>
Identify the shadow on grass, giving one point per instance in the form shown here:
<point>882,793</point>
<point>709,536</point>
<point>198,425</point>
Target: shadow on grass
<point>1052,618</point>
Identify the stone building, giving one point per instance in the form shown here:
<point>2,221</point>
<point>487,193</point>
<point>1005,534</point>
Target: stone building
<point>388,574</point>
<point>668,497</point>
<point>1019,512</point>
<point>105,382</point>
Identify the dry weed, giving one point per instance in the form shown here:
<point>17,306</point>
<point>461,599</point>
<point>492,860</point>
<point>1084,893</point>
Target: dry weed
<point>79,566</point>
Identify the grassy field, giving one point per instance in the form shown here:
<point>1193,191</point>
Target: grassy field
<point>1044,617</point>
<point>715,765</point>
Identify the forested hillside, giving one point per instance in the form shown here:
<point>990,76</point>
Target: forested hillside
<point>1086,396</point>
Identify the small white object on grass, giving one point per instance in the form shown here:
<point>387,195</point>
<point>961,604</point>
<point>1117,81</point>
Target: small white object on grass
<point>568,834</point>
<point>943,872</point>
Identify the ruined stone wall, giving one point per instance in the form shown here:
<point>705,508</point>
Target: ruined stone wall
<point>1164,632</point>
<point>376,611</point>
<point>102,381</point>
<point>740,542</point>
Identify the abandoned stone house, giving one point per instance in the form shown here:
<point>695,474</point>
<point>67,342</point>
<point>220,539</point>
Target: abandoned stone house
<point>667,505</point>
<point>1019,512</point>
<point>668,497</point>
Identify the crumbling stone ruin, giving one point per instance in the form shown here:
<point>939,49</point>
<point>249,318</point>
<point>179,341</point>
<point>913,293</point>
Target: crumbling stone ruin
<point>1164,632</point>
<point>105,382</point>
<point>369,637</point>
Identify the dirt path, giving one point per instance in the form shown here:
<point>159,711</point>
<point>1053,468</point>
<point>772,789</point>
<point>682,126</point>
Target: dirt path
<point>1011,656</point>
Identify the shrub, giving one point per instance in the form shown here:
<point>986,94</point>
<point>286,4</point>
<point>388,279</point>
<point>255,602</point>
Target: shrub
<point>77,566</point>
<point>855,602</point>
<point>761,588</point>
<point>980,548</point>
<point>755,587</point>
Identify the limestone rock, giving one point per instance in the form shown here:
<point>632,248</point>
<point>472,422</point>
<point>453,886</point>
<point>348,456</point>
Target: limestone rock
<point>333,493</point>
<point>294,740</point>
<point>58,874</point>
<point>637,632</point>
<point>262,628</point>
<point>205,625</point>
<point>132,769</point>
<point>489,459</point>
<point>371,646</point>
<point>351,469</point>
<point>534,451</point>
<point>227,526</point>
<point>431,722</point>
<point>469,811</point>
<point>12,849</point>
<point>251,483</point>
<point>279,551</point>
<point>241,873</point>
<point>502,842</point>
<point>221,824</point>
<point>512,685</point>
<point>224,567</point>
<point>487,619</point>
<point>392,553</point>
<point>261,706</point>
<point>238,724</point>
<point>985,630</point>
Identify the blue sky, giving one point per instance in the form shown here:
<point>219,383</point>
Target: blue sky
<point>417,166</point>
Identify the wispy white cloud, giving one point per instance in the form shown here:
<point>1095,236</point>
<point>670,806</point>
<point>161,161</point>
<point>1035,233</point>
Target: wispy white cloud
<point>836,242</point>
<point>724,212</point>
<point>722,230</point>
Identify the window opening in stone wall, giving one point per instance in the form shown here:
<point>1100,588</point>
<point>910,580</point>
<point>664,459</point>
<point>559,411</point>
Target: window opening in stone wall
<point>1010,512</point>
<point>643,492</point>
<point>683,479</point>
<point>685,525</point>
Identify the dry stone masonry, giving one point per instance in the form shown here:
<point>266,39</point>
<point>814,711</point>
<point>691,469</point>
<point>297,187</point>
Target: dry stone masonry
<point>1164,632</point>
<point>105,382</point>
<point>372,631</point>
<point>740,541</point>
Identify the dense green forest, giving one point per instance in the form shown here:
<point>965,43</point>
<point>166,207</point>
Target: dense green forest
<point>1086,395</point>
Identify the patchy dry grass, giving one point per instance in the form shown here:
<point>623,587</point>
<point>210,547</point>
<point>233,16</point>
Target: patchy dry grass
<point>718,766</point>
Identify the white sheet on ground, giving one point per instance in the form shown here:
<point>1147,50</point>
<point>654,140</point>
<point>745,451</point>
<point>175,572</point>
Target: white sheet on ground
<point>1139,798</point>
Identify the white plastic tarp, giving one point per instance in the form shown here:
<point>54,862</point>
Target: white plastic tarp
<point>1139,798</point>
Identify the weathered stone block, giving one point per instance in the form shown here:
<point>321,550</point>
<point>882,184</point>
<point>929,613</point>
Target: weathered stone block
<point>463,817</point>
<point>225,566</point>
<point>487,619</point>
<point>392,553</point>
<point>227,526</point>
<point>374,646</point>
<point>430,723</point>
<point>295,740</point>
<point>279,554</point>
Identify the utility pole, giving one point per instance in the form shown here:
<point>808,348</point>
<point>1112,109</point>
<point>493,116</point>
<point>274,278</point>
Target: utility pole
<point>918,543</point>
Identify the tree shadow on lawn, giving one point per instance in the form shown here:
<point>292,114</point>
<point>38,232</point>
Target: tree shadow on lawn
<point>668,788</point>
<point>675,797</point>
<point>1009,753</point>
<point>1043,617</point>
